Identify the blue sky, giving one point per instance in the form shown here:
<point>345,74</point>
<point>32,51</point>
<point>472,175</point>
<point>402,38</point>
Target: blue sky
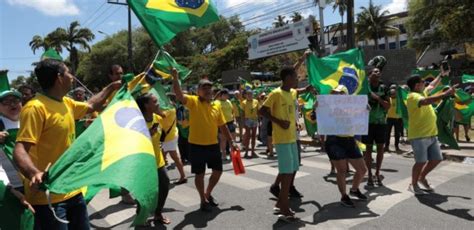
<point>20,20</point>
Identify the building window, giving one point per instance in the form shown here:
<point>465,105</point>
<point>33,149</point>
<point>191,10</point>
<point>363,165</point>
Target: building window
<point>392,45</point>
<point>381,46</point>
<point>402,29</point>
<point>403,43</point>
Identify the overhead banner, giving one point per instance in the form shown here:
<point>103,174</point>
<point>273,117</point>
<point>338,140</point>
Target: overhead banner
<point>342,115</point>
<point>280,40</point>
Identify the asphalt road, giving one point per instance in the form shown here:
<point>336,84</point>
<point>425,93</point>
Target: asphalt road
<point>245,202</point>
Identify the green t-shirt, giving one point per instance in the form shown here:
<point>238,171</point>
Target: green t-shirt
<point>378,115</point>
<point>182,117</point>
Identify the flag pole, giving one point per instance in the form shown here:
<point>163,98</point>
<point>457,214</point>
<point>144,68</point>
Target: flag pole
<point>80,83</point>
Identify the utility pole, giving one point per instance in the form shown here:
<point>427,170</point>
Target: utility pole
<point>350,25</point>
<point>129,45</point>
<point>322,4</point>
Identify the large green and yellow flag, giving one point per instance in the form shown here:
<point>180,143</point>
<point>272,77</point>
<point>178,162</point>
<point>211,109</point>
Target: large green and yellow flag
<point>345,68</point>
<point>115,151</point>
<point>444,122</point>
<point>163,19</point>
<point>308,100</point>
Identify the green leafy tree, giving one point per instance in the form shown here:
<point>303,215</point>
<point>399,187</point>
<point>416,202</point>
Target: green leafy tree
<point>280,21</point>
<point>372,24</point>
<point>296,17</point>
<point>440,22</point>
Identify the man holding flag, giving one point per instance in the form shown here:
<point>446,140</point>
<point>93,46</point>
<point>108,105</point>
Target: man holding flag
<point>47,130</point>
<point>422,129</point>
<point>205,118</point>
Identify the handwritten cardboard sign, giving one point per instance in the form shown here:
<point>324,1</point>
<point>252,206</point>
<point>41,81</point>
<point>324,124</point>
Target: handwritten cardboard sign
<point>342,115</point>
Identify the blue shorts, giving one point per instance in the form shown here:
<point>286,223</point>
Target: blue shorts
<point>288,161</point>
<point>251,123</point>
<point>231,126</point>
<point>426,149</point>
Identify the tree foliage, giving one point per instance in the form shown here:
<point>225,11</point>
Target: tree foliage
<point>372,24</point>
<point>441,21</point>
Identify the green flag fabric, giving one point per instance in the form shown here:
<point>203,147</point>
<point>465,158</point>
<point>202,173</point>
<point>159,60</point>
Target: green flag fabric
<point>445,122</point>
<point>162,66</point>
<point>51,54</point>
<point>466,78</point>
<point>402,111</point>
<point>4,84</point>
<point>160,93</point>
<point>309,121</point>
<point>114,151</point>
<point>426,75</point>
<point>345,68</point>
<point>13,214</point>
<point>163,19</point>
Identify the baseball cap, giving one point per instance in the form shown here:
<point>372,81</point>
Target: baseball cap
<point>341,88</point>
<point>203,82</point>
<point>7,93</point>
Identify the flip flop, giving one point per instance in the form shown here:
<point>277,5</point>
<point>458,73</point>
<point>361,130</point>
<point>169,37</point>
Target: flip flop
<point>163,220</point>
<point>277,211</point>
<point>183,181</point>
<point>287,219</point>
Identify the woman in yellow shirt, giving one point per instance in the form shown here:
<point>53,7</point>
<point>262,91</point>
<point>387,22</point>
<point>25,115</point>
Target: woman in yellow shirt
<point>148,105</point>
<point>250,106</point>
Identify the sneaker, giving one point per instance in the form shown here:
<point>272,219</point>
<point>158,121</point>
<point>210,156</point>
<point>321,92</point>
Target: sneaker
<point>213,201</point>
<point>416,190</point>
<point>275,190</point>
<point>358,194</point>
<point>425,186</point>
<point>346,201</point>
<point>205,207</point>
<point>294,193</point>
<point>370,183</point>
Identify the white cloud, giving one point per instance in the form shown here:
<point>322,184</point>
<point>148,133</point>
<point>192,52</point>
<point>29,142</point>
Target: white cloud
<point>396,6</point>
<point>49,7</point>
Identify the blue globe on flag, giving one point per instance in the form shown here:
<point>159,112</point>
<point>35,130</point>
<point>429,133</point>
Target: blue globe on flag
<point>193,4</point>
<point>349,79</point>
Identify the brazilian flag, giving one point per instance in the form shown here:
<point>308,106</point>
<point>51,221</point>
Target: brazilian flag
<point>426,75</point>
<point>163,19</point>
<point>162,65</point>
<point>13,214</point>
<point>345,68</point>
<point>464,103</point>
<point>445,122</point>
<point>115,151</point>
<point>402,111</point>
<point>308,100</point>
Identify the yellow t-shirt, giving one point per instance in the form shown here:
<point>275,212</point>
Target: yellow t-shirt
<point>227,110</point>
<point>49,125</point>
<point>282,106</point>
<point>250,109</point>
<point>155,139</point>
<point>169,122</point>
<point>204,121</point>
<point>392,111</point>
<point>421,119</point>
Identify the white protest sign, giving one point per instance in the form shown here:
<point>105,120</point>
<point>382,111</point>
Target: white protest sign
<point>342,115</point>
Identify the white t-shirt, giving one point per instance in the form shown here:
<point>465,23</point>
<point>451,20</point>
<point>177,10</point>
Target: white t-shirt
<point>8,173</point>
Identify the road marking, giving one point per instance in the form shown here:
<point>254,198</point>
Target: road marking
<point>184,195</point>
<point>266,168</point>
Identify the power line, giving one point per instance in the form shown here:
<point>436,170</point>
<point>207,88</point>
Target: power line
<point>93,20</point>
<point>110,15</point>
<point>236,6</point>
<point>271,15</point>
<point>272,9</point>
<point>93,14</point>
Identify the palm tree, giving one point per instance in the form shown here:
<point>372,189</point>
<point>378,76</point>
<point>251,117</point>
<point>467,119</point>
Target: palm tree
<point>38,42</point>
<point>373,24</point>
<point>296,17</point>
<point>75,35</point>
<point>280,21</point>
<point>341,5</point>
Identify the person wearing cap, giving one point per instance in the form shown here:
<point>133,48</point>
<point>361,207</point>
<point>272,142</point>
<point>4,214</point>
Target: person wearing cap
<point>422,129</point>
<point>10,107</point>
<point>47,130</point>
<point>227,109</point>
<point>250,107</point>
<point>205,118</point>
<point>342,150</point>
<point>379,104</point>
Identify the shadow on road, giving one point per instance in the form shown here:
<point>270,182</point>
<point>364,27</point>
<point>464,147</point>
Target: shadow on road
<point>102,214</point>
<point>335,211</point>
<point>199,219</point>
<point>434,200</point>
